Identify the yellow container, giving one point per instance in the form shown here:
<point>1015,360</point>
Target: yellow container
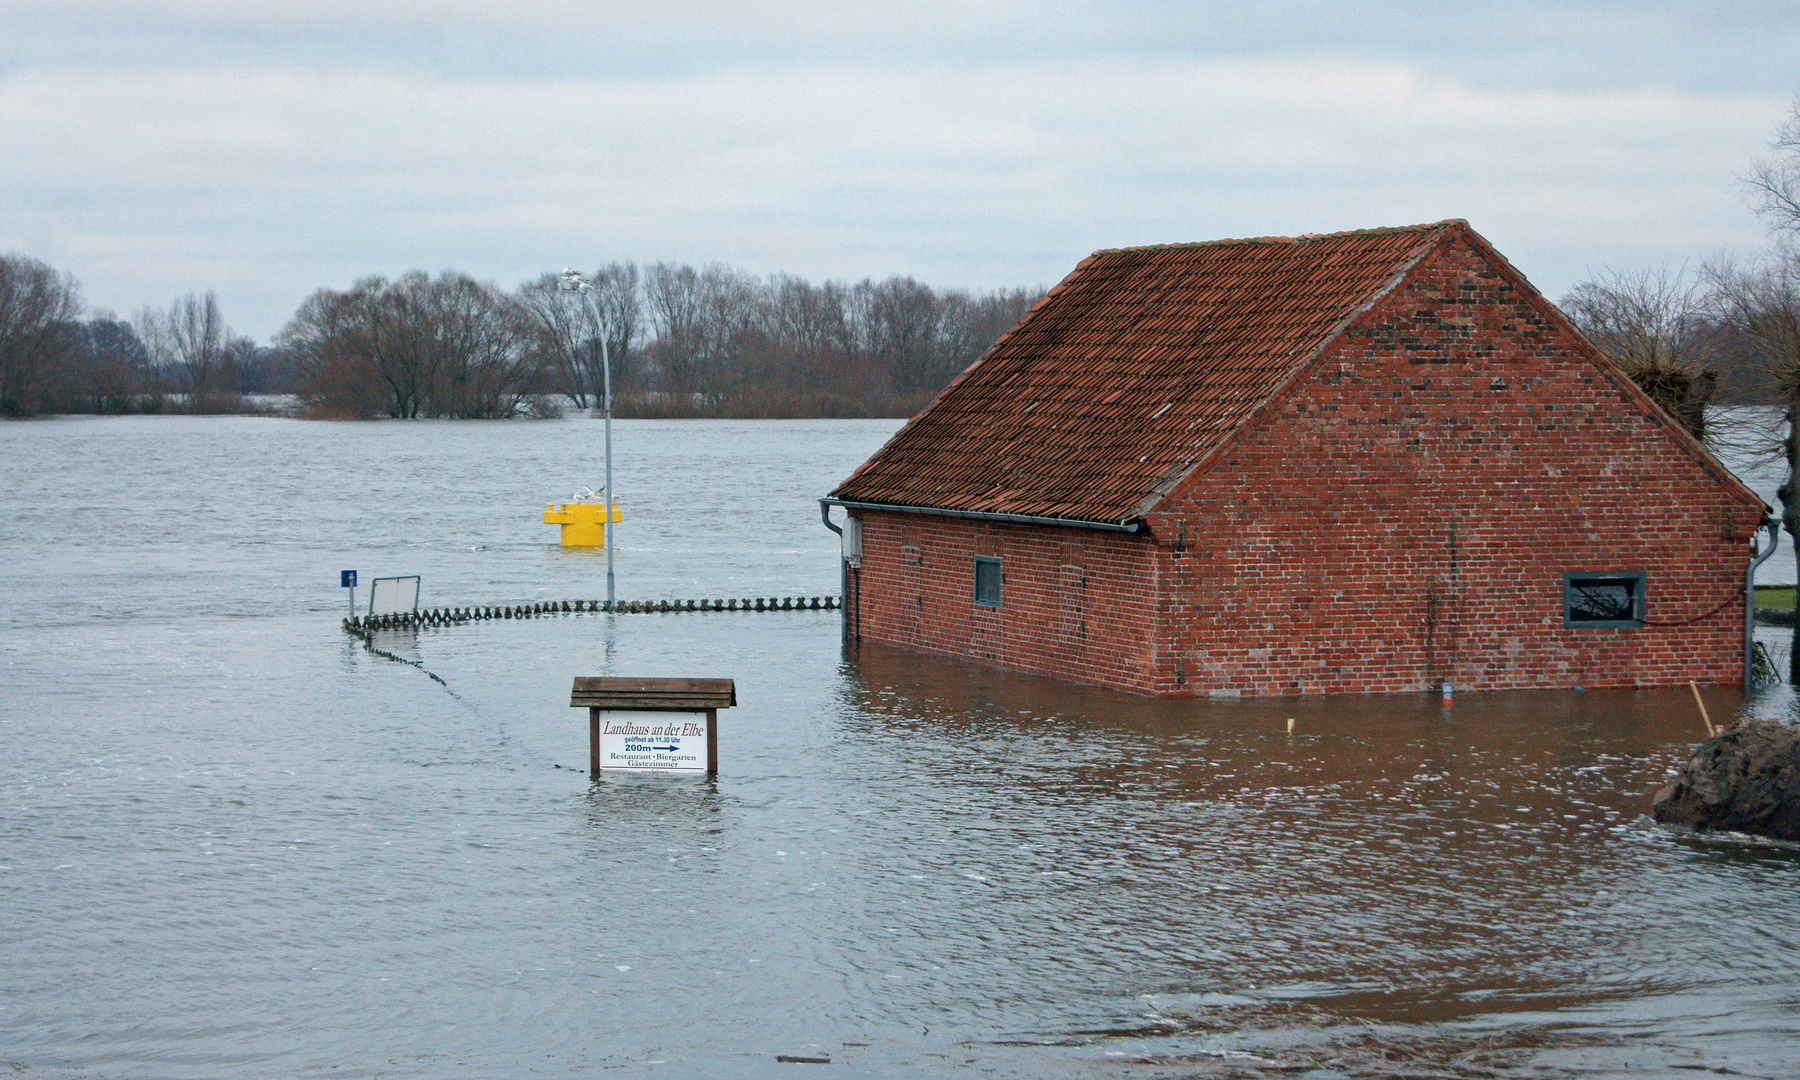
<point>583,524</point>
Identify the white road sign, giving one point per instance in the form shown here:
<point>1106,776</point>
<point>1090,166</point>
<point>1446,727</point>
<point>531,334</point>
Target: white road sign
<point>653,741</point>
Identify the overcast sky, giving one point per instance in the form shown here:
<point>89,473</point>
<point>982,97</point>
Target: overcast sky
<point>266,150</point>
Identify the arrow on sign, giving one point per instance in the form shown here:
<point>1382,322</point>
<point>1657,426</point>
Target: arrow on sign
<point>665,748</point>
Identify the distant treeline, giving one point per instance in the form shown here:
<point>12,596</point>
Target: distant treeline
<point>687,342</point>
<point>683,342</point>
<point>182,358</point>
<point>680,341</point>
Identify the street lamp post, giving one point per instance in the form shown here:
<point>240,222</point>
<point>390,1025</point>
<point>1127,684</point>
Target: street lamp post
<point>575,282</point>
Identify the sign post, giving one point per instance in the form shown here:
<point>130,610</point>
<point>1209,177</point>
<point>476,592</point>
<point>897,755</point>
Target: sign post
<point>347,580</point>
<point>653,725</point>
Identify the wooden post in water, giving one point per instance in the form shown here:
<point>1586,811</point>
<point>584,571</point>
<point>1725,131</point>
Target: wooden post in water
<point>712,737</point>
<point>594,741</point>
<point>1705,719</point>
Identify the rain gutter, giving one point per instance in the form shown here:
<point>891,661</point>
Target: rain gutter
<point>976,515</point>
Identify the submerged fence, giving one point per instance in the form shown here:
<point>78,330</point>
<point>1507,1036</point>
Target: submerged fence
<point>457,615</point>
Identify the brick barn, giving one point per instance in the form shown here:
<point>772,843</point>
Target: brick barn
<point>1368,461</point>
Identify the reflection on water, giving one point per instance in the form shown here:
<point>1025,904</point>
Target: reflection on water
<point>234,842</point>
<point>1392,863</point>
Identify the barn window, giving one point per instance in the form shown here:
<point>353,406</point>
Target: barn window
<point>987,581</point>
<point>1610,599</point>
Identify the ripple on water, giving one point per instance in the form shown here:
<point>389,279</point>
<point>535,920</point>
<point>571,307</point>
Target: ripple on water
<point>232,842</point>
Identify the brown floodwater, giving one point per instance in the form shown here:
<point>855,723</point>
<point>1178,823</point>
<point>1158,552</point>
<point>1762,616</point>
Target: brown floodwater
<point>1461,889</point>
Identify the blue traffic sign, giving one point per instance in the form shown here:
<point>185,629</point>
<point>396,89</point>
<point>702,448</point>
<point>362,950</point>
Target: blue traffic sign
<point>347,579</point>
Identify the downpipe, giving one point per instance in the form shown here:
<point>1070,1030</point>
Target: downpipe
<point>825,506</point>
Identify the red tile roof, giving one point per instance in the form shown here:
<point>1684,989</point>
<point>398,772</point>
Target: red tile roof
<point>1129,372</point>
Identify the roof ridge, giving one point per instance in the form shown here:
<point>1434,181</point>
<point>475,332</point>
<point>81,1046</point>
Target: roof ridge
<point>1384,230</point>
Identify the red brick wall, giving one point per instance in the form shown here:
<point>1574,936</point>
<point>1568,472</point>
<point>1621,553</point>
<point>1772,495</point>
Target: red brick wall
<point>1320,548</point>
<point>1076,603</point>
<point>1315,555</point>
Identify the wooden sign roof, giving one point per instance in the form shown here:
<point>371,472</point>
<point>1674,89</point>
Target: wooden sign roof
<point>652,695</point>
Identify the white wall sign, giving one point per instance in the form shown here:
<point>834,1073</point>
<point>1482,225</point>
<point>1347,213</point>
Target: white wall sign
<point>653,741</point>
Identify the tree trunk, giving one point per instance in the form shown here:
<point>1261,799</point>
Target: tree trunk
<point>1789,494</point>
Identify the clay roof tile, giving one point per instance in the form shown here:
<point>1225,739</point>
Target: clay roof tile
<point>1135,366</point>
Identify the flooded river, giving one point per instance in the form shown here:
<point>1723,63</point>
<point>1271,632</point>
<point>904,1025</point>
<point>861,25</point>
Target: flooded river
<point>236,843</point>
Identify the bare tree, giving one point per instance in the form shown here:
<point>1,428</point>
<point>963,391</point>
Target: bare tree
<point>1774,181</point>
<point>1762,304</point>
<point>480,337</point>
<point>571,325</point>
<point>899,322</point>
<point>261,369</point>
<point>112,371</point>
<point>618,298</point>
<point>38,309</point>
<point>1653,325</point>
<point>407,326</point>
<point>417,346</point>
<point>563,321</point>
<point>973,323</point>
<point>811,318</point>
<point>333,339</point>
<point>672,295</point>
<point>191,338</point>
<point>730,344</point>
<point>702,319</point>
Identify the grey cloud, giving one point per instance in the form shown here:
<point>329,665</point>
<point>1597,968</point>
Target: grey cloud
<point>266,153</point>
